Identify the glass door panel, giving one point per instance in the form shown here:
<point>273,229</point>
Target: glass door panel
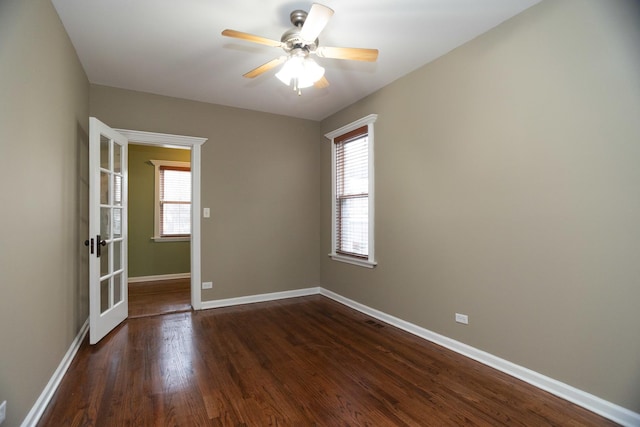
<point>105,146</point>
<point>104,262</point>
<point>108,225</point>
<point>117,190</point>
<point>105,222</point>
<point>117,222</point>
<point>117,157</point>
<point>117,255</point>
<point>104,295</point>
<point>117,288</point>
<point>104,188</point>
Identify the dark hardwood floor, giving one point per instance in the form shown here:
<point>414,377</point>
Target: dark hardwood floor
<point>306,362</point>
<point>161,297</point>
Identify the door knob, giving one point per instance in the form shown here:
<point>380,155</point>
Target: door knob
<point>100,243</point>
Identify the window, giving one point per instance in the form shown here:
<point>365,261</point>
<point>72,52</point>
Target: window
<point>353,195</point>
<point>172,200</point>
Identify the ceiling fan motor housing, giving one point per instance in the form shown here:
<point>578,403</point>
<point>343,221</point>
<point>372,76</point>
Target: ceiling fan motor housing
<point>291,38</point>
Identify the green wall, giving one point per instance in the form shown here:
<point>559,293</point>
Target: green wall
<point>147,257</point>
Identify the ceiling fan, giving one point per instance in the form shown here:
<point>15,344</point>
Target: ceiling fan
<point>298,43</point>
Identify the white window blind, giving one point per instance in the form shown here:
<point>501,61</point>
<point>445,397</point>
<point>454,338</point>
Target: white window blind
<point>175,201</point>
<point>352,193</point>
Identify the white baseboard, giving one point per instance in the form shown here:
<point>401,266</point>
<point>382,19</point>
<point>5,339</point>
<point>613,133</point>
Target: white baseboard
<point>581,398</point>
<point>38,408</point>
<point>155,278</point>
<point>259,298</point>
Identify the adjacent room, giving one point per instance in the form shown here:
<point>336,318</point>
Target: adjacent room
<point>158,267</point>
<point>401,213</point>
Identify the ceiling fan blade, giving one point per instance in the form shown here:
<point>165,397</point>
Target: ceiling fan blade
<point>317,19</point>
<point>265,67</point>
<point>251,38</point>
<point>322,83</point>
<point>352,53</point>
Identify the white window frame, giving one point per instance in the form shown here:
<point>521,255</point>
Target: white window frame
<point>370,262</point>
<point>156,207</point>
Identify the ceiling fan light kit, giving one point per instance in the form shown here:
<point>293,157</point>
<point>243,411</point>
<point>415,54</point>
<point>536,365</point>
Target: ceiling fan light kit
<point>299,70</point>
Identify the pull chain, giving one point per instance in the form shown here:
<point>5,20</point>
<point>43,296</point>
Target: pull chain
<point>295,86</point>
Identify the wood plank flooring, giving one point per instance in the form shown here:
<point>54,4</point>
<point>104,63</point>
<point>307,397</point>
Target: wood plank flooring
<point>305,361</point>
<point>159,297</point>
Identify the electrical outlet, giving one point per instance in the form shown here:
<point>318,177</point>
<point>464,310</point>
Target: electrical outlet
<point>462,318</point>
<point>3,411</point>
<point>207,285</point>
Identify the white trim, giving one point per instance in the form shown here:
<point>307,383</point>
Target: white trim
<point>353,260</point>
<point>170,239</point>
<point>195,144</point>
<point>43,401</point>
<point>196,237</point>
<point>372,189</point>
<point>352,126</point>
<point>586,400</point>
<point>162,139</point>
<point>170,163</point>
<point>158,277</point>
<point>250,299</point>
<point>371,259</point>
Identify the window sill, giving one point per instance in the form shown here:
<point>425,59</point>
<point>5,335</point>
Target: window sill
<point>170,239</point>
<point>354,261</point>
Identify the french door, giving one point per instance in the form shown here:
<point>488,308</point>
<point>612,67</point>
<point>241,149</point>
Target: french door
<point>107,243</point>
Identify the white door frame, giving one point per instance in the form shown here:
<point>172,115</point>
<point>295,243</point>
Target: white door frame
<point>194,143</point>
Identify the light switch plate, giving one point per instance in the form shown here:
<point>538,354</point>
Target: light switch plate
<point>462,318</point>
<point>206,212</point>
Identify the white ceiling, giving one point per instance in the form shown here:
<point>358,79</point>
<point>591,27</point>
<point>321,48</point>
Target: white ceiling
<point>174,47</point>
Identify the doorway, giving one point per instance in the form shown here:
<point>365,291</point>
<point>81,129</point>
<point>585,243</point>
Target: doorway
<point>173,290</point>
<point>159,241</point>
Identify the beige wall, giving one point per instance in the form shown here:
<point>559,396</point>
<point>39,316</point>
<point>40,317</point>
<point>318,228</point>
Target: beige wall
<point>260,178</point>
<point>44,97</point>
<point>507,177</point>
<point>147,257</point>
